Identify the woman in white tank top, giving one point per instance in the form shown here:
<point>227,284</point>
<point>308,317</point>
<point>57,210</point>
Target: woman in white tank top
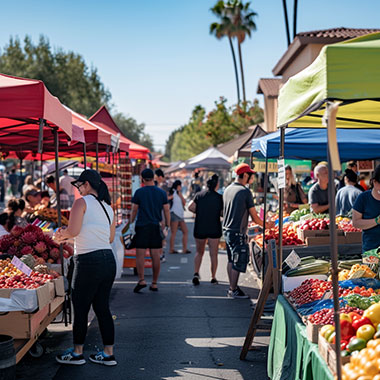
<point>92,225</point>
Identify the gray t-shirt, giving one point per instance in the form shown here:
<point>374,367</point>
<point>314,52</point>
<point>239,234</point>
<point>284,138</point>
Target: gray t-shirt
<point>237,200</point>
<point>319,196</point>
<point>345,199</point>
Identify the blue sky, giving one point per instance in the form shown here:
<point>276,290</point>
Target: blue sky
<point>157,57</point>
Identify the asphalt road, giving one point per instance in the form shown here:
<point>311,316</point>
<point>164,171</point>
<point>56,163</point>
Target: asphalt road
<point>180,332</point>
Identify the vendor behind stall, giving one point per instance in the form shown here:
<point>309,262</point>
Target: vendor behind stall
<point>33,197</point>
<point>294,195</point>
<point>318,193</point>
<point>346,196</point>
<point>63,195</point>
<point>366,213</point>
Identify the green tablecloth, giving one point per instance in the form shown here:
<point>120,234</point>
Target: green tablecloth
<point>291,356</point>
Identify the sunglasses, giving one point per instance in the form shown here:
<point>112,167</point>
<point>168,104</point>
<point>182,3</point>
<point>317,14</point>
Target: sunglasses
<point>78,185</point>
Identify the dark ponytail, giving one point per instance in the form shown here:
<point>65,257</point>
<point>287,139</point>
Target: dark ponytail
<point>103,193</point>
<point>212,182</point>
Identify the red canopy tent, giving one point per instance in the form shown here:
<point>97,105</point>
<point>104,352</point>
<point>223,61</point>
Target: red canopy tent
<point>103,118</point>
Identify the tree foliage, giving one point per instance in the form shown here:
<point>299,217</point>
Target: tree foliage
<point>218,126</point>
<point>65,74</point>
<point>133,130</point>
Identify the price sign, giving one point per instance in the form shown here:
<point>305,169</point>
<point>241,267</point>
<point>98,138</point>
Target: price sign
<point>281,173</point>
<point>293,260</point>
<point>20,265</point>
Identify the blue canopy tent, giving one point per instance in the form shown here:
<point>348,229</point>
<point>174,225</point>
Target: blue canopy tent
<point>311,144</point>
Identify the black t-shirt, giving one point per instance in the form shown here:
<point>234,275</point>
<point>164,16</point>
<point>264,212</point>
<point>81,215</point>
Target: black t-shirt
<point>207,215</point>
<point>151,200</point>
<point>237,201</point>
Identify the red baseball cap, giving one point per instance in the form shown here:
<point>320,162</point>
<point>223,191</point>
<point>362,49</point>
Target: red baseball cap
<point>243,168</point>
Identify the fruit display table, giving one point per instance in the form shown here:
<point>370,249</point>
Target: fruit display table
<point>291,355</point>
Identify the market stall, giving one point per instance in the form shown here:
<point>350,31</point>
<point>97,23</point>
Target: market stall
<point>32,266</point>
<point>342,91</point>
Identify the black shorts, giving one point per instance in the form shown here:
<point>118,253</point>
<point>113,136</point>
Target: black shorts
<point>148,236</point>
<point>237,250</point>
<point>207,236</point>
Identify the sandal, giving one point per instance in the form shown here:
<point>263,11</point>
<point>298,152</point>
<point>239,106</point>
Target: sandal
<point>152,288</point>
<point>139,286</point>
<point>173,252</point>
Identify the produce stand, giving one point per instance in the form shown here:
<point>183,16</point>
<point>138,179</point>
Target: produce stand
<point>291,355</point>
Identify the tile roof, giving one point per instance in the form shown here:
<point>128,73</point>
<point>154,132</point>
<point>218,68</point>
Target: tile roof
<point>325,36</point>
<point>269,86</point>
<point>342,33</point>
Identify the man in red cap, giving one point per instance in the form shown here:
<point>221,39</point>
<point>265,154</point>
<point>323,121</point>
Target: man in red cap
<point>238,206</point>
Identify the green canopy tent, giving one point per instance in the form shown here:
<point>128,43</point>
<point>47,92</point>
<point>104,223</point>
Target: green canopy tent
<point>340,89</point>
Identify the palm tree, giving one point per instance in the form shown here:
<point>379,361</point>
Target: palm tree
<point>224,29</point>
<point>242,20</point>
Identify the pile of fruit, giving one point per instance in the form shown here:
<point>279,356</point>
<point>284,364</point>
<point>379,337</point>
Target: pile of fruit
<point>289,235</point>
<point>31,240</point>
<point>315,224</point>
<point>356,271</point>
<point>309,291</point>
<point>50,214</point>
<point>360,340</point>
<point>12,278</point>
<point>326,316</point>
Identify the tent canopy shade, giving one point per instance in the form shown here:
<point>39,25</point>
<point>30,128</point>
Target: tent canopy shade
<point>211,158</point>
<point>346,71</point>
<point>311,144</point>
<point>103,118</point>
<point>27,101</point>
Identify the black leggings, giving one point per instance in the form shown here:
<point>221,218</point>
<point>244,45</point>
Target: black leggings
<point>93,277</point>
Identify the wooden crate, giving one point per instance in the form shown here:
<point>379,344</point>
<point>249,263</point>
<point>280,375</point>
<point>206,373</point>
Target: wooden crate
<point>312,332</point>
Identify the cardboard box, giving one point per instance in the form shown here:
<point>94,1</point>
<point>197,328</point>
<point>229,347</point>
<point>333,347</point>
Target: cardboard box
<point>44,294</point>
<point>324,240</point>
<point>21,325</point>
<point>56,302</point>
<point>353,237</point>
<point>312,332</point>
<point>290,283</point>
<point>59,286</point>
<point>51,288</point>
<point>304,234</point>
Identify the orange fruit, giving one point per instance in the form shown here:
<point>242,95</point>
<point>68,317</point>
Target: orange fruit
<point>371,369</point>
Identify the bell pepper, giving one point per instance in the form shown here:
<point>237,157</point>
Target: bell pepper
<point>347,331</point>
<point>343,344</point>
<point>353,315</point>
<point>360,322</point>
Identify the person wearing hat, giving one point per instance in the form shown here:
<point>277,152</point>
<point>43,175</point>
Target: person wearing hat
<point>92,225</point>
<point>346,196</point>
<point>147,205</point>
<point>238,206</point>
<point>32,196</point>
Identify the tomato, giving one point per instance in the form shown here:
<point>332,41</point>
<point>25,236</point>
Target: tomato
<point>343,344</point>
<point>365,332</point>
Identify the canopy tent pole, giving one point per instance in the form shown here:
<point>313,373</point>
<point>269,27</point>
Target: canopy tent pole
<point>333,240</point>
<point>281,215</point>
<point>97,156</point>
<point>113,182</point>
<point>20,168</point>
<point>84,156</point>
<point>42,176</point>
<point>33,164</point>
<point>265,216</point>
<point>56,144</point>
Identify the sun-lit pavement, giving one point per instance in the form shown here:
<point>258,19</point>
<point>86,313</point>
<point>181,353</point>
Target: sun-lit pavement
<point>181,331</point>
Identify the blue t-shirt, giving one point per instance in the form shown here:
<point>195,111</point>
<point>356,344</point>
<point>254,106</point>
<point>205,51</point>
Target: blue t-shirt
<point>345,199</point>
<point>150,200</point>
<point>369,207</point>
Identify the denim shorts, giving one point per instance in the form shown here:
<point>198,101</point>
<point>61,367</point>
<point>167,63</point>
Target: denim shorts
<point>237,250</point>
